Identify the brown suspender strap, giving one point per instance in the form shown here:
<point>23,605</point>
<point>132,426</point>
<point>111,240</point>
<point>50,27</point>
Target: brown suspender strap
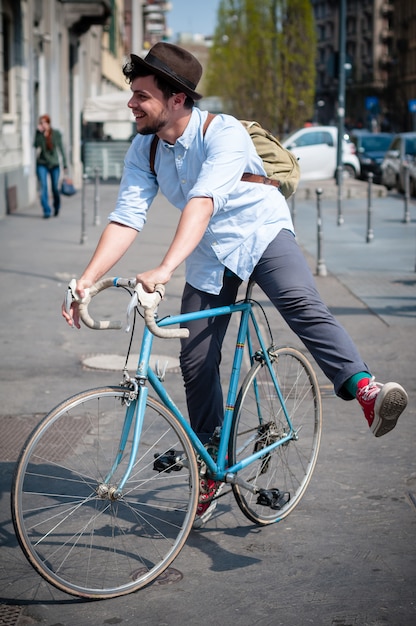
<point>247,177</point>
<point>257,178</point>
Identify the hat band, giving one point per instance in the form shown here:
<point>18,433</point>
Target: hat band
<point>152,60</point>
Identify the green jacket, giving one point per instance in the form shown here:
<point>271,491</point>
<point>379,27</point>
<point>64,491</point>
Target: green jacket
<point>50,158</point>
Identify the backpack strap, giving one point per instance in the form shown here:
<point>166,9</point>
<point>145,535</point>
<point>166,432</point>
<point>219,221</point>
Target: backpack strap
<point>153,148</point>
<point>155,141</point>
<point>208,121</point>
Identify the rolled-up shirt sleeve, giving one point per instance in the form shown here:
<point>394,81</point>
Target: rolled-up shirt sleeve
<point>138,186</point>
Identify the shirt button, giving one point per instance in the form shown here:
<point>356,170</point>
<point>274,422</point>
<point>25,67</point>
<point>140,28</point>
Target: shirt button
<point>183,181</point>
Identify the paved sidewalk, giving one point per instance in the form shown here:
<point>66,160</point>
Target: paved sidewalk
<point>347,554</point>
<point>377,264</point>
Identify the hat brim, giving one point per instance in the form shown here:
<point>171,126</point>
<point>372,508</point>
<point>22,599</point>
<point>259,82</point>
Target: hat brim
<point>166,76</point>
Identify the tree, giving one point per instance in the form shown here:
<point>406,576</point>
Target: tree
<point>262,62</point>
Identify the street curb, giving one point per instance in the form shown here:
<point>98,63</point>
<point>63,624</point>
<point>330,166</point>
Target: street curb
<point>350,189</point>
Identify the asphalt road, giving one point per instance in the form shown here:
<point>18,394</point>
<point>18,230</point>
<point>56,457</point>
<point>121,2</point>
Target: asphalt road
<point>347,555</point>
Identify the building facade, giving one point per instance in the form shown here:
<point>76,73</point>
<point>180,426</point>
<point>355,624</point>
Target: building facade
<point>380,62</point>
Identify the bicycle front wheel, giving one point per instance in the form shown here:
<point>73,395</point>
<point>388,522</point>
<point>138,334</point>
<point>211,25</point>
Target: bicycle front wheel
<point>259,420</point>
<point>76,529</point>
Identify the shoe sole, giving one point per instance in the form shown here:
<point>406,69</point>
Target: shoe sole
<point>389,405</point>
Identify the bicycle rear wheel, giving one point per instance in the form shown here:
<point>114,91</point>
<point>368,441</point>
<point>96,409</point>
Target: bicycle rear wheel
<point>259,420</point>
<point>76,532</point>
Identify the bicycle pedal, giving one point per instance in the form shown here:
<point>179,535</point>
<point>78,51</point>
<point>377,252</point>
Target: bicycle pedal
<point>273,498</point>
<point>167,462</point>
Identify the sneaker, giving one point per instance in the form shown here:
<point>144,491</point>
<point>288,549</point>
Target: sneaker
<point>207,502</point>
<point>382,404</point>
<point>209,489</point>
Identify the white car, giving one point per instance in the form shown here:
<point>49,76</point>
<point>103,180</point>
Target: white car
<point>316,149</point>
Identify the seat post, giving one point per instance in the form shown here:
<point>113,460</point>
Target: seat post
<point>249,289</point>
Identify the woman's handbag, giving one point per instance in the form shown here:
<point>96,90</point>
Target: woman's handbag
<point>67,187</point>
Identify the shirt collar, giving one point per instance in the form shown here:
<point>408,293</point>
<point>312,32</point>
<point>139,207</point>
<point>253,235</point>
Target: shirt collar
<point>191,130</point>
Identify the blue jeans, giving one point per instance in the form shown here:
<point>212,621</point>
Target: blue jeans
<point>42,174</point>
<point>284,276</point>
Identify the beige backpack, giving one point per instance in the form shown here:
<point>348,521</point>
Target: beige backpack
<point>280,164</point>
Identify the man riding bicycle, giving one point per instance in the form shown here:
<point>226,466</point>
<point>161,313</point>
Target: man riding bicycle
<point>229,230</point>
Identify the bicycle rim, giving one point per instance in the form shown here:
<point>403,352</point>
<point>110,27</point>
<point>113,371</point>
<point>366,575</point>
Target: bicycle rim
<point>75,535</point>
<point>259,420</point>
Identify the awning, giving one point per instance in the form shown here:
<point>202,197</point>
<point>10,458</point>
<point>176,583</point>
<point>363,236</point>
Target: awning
<point>111,107</point>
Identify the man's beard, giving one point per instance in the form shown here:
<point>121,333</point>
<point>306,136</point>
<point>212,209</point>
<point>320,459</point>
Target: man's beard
<point>153,128</point>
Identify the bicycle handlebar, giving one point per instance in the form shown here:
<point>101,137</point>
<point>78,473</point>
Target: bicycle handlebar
<point>148,301</point>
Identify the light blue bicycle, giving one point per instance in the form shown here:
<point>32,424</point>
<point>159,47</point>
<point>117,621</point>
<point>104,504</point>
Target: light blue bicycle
<point>106,487</point>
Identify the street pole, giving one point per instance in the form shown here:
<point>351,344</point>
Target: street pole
<point>83,210</point>
<point>370,234</point>
<point>341,105</point>
<point>96,221</point>
<point>320,263</point>
<point>406,217</point>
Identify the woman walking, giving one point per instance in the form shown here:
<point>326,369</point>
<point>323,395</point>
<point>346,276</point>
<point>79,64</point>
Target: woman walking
<point>48,144</point>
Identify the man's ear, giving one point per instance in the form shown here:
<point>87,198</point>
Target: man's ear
<point>179,99</point>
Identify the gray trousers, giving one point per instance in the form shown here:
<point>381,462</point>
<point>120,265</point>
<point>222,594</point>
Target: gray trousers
<point>284,276</point>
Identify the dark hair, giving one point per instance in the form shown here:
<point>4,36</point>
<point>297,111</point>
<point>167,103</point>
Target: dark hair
<point>132,71</point>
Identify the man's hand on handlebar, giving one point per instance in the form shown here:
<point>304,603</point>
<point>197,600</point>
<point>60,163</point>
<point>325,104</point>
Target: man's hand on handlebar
<point>157,276</point>
<point>79,295</point>
<point>70,306</point>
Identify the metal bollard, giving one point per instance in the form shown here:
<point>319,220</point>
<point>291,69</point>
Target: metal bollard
<point>83,210</point>
<point>96,221</point>
<point>406,217</point>
<point>340,178</point>
<point>320,264</point>
<point>370,234</point>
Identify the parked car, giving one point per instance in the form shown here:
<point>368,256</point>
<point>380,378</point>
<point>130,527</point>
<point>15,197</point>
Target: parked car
<point>316,149</point>
<point>371,148</point>
<point>401,150</point>
<point>412,178</point>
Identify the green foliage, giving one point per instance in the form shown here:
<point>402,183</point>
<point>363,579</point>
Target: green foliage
<point>262,62</point>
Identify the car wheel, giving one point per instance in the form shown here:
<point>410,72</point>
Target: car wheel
<point>349,171</point>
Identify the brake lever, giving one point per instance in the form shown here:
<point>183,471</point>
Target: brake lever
<point>69,296</point>
<point>132,305</point>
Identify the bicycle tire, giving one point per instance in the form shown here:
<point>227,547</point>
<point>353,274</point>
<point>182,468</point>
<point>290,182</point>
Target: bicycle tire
<point>80,541</point>
<point>259,420</point>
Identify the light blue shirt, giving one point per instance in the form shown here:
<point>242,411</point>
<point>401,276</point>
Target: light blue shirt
<point>246,216</point>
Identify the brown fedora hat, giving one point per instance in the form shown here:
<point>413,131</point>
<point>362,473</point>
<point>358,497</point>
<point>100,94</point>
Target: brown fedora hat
<point>176,65</point>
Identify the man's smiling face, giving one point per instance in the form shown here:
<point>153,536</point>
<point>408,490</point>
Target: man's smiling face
<point>149,105</point>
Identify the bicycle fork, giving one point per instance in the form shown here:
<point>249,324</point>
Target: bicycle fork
<point>134,416</point>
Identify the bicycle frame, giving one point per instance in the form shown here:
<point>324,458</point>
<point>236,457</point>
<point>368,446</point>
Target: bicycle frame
<point>144,373</point>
